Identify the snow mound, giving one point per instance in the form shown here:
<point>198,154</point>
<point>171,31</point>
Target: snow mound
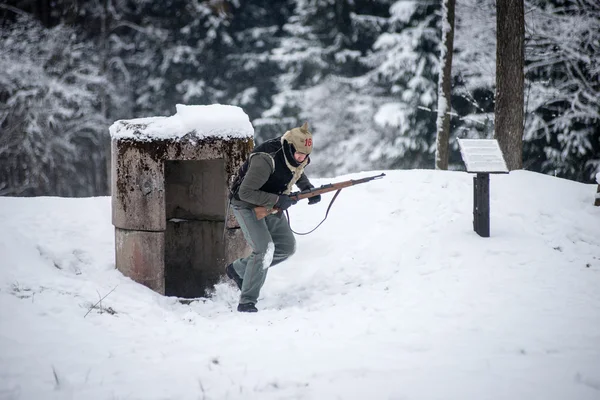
<point>394,296</point>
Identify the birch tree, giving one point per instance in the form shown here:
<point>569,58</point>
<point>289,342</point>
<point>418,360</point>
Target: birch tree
<point>444,85</point>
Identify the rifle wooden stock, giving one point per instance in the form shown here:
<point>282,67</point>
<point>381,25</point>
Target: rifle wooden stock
<point>262,212</point>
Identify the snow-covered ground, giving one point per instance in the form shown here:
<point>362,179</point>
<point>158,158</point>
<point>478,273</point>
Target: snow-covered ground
<point>394,297</point>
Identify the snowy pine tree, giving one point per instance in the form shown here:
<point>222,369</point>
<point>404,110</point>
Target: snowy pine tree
<point>53,139</point>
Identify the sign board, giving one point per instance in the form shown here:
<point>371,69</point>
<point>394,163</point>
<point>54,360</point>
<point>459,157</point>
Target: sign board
<point>482,155</point>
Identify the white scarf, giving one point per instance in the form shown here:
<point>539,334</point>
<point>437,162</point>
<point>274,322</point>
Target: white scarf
<point>297,171</point>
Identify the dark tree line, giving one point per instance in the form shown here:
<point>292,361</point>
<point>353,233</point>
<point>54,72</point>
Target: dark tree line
<point>363,73</point>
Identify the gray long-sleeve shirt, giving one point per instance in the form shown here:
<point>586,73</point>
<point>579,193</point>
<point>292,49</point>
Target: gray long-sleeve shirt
<point>260,169</point>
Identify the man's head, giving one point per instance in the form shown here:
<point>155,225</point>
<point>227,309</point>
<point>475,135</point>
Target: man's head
<point>297,144</point>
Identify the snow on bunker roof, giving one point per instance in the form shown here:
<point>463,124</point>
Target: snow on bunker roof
<point>201,121</point>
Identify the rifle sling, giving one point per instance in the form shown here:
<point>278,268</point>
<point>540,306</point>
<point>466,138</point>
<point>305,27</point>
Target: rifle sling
<point>315,228</point>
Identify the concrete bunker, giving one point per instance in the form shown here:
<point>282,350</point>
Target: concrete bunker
<point>170,178</point>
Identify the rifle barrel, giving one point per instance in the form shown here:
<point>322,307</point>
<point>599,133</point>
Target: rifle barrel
<point>369,178</point>
<point>305,194</point>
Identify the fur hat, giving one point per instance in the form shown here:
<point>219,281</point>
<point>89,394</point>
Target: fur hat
<point>299,139</point>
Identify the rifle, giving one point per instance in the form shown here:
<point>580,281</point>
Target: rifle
<point>262,212</point>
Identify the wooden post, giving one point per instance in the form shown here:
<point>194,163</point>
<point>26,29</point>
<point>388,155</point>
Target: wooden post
<point>481,204</point>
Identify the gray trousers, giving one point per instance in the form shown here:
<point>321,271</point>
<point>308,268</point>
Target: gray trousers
<point>272,242</point>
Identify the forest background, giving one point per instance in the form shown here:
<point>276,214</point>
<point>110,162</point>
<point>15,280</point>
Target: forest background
<point>363,73</point>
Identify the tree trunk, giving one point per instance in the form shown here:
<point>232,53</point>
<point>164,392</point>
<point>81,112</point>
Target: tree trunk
<point>106,144</point>
<point>510,36</point>
<point>444,85</point>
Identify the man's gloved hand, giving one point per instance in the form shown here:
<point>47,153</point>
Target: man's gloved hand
<point>315,199</point>
<point>284,202</point>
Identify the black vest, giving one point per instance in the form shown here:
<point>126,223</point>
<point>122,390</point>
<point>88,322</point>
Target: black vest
<point>279,179</point>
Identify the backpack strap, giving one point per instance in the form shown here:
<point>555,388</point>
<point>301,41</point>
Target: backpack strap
<point>239,176</point>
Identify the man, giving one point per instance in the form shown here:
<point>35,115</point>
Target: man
<point>266,179</point>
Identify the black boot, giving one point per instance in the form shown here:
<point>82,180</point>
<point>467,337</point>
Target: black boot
<point>247,307</point>
<point>234,276</point>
